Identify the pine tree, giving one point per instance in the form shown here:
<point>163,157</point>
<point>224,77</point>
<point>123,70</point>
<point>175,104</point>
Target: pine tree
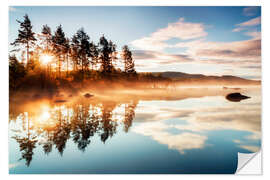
<point>59,45</point>
<point>81,48</point>
<point>67,52</point>
<point>106,54</point>
<point>94,55</point>
<point>128,60</point>
<point>25,36</point>
<point>47,34</point>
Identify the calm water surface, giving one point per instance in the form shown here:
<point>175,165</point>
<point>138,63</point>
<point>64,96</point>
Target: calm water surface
<point>181,134</point>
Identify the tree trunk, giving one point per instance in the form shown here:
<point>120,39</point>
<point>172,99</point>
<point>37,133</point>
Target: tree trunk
<point>67,64</point>
<point>27,52</point>
<point>82,63</point>
<point>59,66</point>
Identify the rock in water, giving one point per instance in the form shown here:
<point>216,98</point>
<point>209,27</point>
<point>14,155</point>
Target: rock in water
<point>87,95</point>
<point>60,101</point>
<point>236,97</point>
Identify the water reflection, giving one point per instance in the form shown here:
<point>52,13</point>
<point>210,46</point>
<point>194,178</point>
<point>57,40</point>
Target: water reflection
<point>27,145</point>
<point>179,122</point>
<point>197,117</point>
<point>52,125</point>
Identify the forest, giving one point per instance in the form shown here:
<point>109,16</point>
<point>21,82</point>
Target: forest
<point>51,60</point>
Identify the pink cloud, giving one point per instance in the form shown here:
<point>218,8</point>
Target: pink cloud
<point>238,29</point>
<point>252,22</point>
<point>254,34</point>
<point>162,57</point>
<point>238,50</point>
<point>181,30</point>
<point>150,59</point>
<point>243,57</point>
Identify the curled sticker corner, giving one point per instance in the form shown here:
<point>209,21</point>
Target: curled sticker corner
<point>249,163</point>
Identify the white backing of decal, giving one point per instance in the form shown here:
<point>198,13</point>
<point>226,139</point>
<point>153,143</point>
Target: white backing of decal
<point>249,163</point>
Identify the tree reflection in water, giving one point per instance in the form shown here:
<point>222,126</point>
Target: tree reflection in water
<point>27,139</point>
<point>58,123</point>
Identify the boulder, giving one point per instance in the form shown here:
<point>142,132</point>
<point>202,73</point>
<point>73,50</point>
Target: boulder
<point>236,97</point>
<point>60,101</point>
<point>87,95</point>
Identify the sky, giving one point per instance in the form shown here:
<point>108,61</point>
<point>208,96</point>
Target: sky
<point>198,40</point>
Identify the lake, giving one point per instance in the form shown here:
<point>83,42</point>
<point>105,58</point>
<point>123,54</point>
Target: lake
<point>180,131</point>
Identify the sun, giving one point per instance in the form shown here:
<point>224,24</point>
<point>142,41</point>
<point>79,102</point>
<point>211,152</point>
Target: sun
<point>46,58</point>
<point>44,116</point>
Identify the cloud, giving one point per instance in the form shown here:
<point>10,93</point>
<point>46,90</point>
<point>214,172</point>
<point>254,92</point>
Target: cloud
<point>250,11</point>
<point>158,131</point>
<point>149,43</point>
<point>252,22</point>
<point>181,30</point>
<point>254,34</point>
<point>199,51</point>
<point>245,54</point>
<point>226,120</point>
<point>239,54</point>
<point>193,124</point>
<point>150,59</point>
<point>243,145</point>
<point>225,52</point>
<point>238,29</point>
<point>247,117</point>
<point>145,113</point>
<point>251,148</point>
<point>162,57</point>
<point>249,49</point>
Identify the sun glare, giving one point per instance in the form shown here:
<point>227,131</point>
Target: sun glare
<point>46,58</point>
<point>45,116</point>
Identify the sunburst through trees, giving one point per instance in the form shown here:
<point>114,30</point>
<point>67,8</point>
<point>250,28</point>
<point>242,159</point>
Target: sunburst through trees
<point>58,53</point>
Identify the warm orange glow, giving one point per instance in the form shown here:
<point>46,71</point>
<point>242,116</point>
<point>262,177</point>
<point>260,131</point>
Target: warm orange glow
<point>46,58</point>
<point>44,116</point>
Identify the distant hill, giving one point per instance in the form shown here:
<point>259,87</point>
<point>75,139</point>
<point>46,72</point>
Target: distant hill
<point>200,79</point>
